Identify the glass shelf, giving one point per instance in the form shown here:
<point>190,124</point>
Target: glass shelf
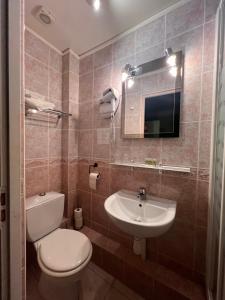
<point>157,167</point>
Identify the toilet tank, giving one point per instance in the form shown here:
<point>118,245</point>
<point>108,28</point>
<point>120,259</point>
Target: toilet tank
<point>44,214</point>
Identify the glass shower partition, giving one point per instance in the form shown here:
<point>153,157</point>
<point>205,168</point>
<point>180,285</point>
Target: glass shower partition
<point>216,228</point>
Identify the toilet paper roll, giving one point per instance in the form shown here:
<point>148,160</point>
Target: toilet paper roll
<point>78,212</point>
<point>78,218</point>
<point>93,177</point>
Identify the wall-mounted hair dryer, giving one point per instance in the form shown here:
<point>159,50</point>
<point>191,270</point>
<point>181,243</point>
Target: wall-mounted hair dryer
<point>109,103</point>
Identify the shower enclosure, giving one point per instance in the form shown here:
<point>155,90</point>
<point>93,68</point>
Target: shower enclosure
<point>216,228</point>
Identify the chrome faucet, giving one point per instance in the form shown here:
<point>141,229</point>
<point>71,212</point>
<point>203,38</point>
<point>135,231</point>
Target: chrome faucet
<point>142,193</point>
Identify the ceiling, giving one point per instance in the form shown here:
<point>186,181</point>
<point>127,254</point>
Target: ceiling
<point>79,27</point>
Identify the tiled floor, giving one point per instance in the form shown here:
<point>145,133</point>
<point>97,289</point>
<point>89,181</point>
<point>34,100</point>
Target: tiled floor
<point>96,285</point>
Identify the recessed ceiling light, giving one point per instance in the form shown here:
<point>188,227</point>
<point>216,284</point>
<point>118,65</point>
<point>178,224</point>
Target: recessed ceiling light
<point>96,4</point>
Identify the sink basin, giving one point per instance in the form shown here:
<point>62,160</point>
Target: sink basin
<point>140,218</point>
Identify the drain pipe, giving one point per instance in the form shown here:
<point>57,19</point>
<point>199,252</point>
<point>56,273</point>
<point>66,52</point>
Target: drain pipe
<point>139,247</point>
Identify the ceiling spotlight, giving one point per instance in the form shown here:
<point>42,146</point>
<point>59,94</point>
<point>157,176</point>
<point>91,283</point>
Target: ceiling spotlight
<point>171,60</point>
<point>130,82</point>
<point>173,71</point>
<point>96,4</point>
<point>126,72</point>
<point>171,57</point>
<point>168,51</point>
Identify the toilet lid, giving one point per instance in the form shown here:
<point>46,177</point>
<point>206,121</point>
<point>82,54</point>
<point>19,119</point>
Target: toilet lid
<point>64,250</point>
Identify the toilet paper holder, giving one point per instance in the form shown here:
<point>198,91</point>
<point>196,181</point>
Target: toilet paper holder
<point>95,165</point>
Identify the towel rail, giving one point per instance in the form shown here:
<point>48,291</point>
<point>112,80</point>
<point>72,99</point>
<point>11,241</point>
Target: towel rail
<point>59,113</point>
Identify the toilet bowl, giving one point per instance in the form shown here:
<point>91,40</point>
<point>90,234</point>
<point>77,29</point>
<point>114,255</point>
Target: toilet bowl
<point>62,254</point>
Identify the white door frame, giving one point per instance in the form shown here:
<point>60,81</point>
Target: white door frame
<point>16,167</point>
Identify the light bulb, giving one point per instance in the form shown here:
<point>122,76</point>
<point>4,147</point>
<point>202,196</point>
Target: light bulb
<point>173,71</point>
<point>96,4</point>
<point>124,76</point>
<point>171,60</point>
<point>130,83</point>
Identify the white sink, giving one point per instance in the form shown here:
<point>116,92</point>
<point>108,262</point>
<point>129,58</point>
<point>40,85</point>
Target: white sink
<point>140,218</point>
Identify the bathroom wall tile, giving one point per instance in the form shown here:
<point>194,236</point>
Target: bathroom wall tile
<point>149,54</point>
<point>102,187</point>
<point>151,34</point>
<point>55,176</point>
<point>33,163</point>
<point>121,149</point>
<point>74,64</point>
<point>84,201</point>
<point>86,64</point>
<point>184,18</point>
<point>190,106</point>
<point>65,144</point>
<point>86,115</point>
<point>36,48</point>
<point>86,88</point>
<point>203,174</point>
<point>207,96</point>
<point>103,57</point>
<point>191,43</point>
<point>200,256</point>
<point>98,213</point>
<point>202,203</point>
<point>98,120</point>
<point>121,178</point>
<point>36,76</point>
<point>55,142</point>
<point>73,121</point>
<point>72,175</point>
<point>55,60</point>
<point>143,148</point>
<point>179,252</point>
<point>124,47</point>
<point>36,142</point>
<point>65,89</point>
<point>209,46</point>
<point>83,171</point>
<point>55,85</point>
<point>101,143</point>
<point>205,143</point>
<point>71,203</point>
<point>85,143</point>
<point>184,192</point>
<point>73,87</point>
<point>102,80</point>
<point>210,9</point>
<point>73,143</point>
<point>182,151</point>
<point>36,180</point>
<point>66,62</point>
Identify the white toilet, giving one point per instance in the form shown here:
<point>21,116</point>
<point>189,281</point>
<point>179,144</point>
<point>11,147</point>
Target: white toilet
<point>62,254</point>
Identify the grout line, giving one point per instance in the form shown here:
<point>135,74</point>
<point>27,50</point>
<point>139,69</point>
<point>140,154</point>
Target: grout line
<point>41,62</point>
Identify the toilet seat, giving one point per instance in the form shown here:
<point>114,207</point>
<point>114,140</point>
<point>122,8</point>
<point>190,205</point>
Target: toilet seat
<point>63,252</point>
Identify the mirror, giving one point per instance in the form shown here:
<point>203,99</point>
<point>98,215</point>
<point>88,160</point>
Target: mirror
<point>151,97</point>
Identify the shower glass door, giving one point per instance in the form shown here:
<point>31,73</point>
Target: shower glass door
<point>216,232</point>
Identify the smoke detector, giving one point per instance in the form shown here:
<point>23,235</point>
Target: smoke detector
<point>45,16</point>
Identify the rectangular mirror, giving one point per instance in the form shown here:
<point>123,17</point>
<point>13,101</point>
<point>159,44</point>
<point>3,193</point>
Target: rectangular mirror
<point>151,99</point>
